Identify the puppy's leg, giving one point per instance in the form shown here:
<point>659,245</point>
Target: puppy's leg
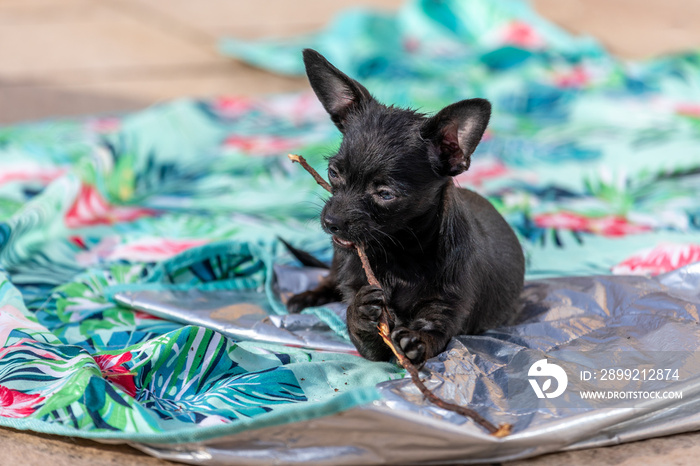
<point>428,333</point>
<point>326,292</point>
<point>362,317</point>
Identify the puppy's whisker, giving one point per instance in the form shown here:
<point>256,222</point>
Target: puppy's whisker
<point>313,203</point>
<point>310,223</point>
<point>393,240</point>
<point>390,238</point>
<point>320,197</point>
<point>420,244</point>
<point>376,241</point>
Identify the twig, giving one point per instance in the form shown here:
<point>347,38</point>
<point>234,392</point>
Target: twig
<point>383,327</point>
<point>500,431</point>
<point>302,161</point>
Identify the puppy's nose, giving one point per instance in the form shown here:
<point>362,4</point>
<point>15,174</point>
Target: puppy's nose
<point>333,223</point>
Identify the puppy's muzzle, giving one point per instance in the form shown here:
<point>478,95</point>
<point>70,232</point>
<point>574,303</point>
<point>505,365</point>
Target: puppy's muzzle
<point>334,225</point>
<point>337,227</point>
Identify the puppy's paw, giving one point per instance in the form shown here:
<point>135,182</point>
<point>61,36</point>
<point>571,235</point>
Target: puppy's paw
<point>312,298</point>
<point>411,343</point>
<point>369,302</point>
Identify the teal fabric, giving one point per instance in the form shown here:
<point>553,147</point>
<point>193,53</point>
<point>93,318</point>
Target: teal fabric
<point>594,162</point>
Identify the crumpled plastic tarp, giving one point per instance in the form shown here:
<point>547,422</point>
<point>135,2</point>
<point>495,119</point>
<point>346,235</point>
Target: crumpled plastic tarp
<point>591,327</point>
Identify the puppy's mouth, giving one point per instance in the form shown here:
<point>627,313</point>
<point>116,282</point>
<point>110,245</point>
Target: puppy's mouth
<point>343,243</point>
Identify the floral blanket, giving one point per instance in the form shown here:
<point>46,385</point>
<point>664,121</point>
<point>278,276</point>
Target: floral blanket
<point>593,161</point>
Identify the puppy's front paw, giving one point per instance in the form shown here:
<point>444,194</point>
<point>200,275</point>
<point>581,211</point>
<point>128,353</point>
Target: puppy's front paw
<point>410,342</point>
<point>369,302</point>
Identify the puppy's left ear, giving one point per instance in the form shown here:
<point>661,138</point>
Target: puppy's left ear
<point>455,131</point>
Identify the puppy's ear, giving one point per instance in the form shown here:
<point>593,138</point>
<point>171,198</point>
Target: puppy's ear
<point>455,131</point>
<point>338,93</point>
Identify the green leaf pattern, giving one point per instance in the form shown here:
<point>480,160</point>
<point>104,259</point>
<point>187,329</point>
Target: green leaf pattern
<point>590,159</point>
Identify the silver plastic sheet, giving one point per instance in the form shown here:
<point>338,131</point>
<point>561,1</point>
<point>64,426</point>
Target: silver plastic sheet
<point>633,339</point>
<point>246,314</point>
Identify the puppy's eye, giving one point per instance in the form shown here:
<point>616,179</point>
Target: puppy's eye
<point>332,174</point>
<point>386,195</point>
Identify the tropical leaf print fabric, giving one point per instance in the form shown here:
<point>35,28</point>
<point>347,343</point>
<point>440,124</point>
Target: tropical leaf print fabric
<point>161,381</point>
<point>594,162</point>
<point>591,159</point>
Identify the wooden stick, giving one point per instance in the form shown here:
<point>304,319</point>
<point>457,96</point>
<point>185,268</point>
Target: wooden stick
<point>500,431</point>
<point>302,161</point>
<point>383,327</point>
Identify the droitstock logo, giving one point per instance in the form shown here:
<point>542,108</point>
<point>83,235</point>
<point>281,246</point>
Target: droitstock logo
<point>546,370</point>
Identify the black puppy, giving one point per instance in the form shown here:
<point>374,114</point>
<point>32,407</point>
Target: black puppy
<point>448,262</point>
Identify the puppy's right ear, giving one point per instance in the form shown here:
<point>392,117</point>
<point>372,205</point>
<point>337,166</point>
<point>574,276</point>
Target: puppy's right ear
<point>339,94</point>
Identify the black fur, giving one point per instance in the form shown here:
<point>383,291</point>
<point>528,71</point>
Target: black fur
<point>448,262</point>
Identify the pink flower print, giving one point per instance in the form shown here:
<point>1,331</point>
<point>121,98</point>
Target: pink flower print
<point>608,225</point>
<point>261,145</point>
<point>522,35</point>
<point>90,209</point>
<point>17,404</point>
<point>663,258</point>
<point>113,370</point>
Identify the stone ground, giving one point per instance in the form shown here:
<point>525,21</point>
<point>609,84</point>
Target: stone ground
<point>76,57</point>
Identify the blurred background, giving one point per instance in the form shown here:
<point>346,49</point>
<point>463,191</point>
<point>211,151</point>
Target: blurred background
<point>77,57</point>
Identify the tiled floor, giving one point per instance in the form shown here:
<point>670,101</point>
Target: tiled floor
<point>72,57</point>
